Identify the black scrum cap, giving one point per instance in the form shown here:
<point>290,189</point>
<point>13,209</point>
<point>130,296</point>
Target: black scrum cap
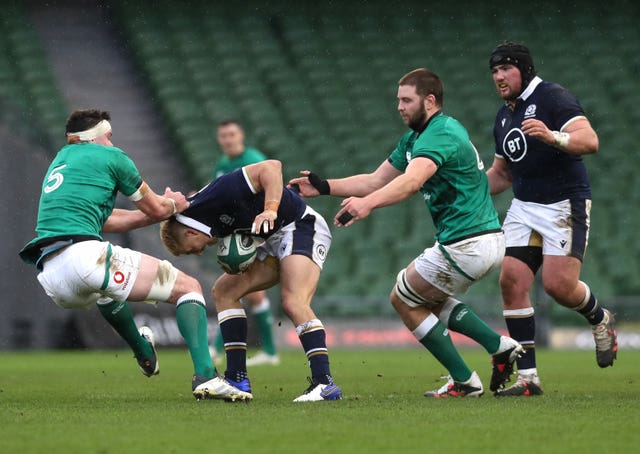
<point>517,55</point>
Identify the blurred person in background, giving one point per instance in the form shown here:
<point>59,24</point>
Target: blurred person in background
<point>230,137</point>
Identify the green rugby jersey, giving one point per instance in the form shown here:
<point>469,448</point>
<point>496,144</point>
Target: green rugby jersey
<point>457,195</point>
<point>226,165</point>
<point>79,193</point>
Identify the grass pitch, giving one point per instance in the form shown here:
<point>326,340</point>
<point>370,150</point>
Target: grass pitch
<point>98,402</point>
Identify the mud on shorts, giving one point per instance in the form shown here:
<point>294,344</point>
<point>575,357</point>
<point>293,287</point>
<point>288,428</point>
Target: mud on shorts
<point>92,272</point>
<point>454,267</point>
<point>560,228</point>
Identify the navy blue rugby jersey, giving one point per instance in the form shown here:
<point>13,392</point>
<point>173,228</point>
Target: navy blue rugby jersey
<point>230,203</point>
<point>541,173</point>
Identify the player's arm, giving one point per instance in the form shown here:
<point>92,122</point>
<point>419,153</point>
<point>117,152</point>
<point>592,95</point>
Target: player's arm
<point>122,221</point>
<point>576,137</point>
<point>311,185</point>
<point>398,189</point>
<point>152,208</point>
<point>499,176</point>
<point>159,207</point>
<point>266,176</point>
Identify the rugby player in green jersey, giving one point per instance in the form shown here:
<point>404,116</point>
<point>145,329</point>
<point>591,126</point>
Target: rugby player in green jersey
<point>230,136</point>
<point>77,268</point>
<point>436,158</point>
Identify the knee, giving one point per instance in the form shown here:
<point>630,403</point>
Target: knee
<point>287,308</point>
<point>559,288</point>
<point>221,294</point>
<point>191,284</point>
<point>395,300</point>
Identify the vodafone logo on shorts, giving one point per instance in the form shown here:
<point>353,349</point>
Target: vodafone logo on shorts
<point>120,278</point>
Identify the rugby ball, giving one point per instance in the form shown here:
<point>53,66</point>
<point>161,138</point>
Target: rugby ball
<point>236,252</point>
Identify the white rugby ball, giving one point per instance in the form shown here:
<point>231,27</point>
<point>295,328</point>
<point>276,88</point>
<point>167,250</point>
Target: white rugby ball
<point>236,252</point>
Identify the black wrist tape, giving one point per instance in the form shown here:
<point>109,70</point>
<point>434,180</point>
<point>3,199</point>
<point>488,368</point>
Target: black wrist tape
<point>321,185</point>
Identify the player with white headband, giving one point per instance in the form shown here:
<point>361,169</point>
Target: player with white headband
<point>78,268</point>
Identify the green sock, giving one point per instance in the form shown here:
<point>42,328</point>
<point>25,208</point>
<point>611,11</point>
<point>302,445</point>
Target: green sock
<point>119,316</point>
<point>438,342</point>
<point>218,342</point>
<point>192,323</point>
<point>464,321</point>
<point>264,320</point>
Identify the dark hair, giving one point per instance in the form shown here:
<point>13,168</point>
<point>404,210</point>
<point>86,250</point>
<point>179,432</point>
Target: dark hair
<point>426,83</point>
<point>81,120</point>
<point>518,55</point>
<point>229,121</point>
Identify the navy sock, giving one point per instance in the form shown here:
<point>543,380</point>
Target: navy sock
<point>592,310</point>
<point>313,338</point>
<point>523,329</point>
<point>233,326</point>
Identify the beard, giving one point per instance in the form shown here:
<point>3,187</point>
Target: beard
<point>418,119</point>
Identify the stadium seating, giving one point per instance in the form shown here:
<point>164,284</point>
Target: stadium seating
<point>30,100</point>
<point>315,86</point>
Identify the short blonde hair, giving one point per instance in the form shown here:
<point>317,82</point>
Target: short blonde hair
<point>171,235</point>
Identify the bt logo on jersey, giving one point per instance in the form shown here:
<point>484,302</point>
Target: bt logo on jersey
<point>514,145</point>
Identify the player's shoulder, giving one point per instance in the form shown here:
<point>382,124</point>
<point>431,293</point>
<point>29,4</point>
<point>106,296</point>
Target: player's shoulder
<point>97,151</point>
<point>546,89</point>
<point>444,124</point>
<point>254,153</point>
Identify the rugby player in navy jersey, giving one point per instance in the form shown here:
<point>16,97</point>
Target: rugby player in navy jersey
<point>297,239</point>
<point>541,133</point>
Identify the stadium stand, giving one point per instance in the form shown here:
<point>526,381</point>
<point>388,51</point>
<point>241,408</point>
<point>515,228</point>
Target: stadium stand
<point>316,87</point>
<point>29,99</point>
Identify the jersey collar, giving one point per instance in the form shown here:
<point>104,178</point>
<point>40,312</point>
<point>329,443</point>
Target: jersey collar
<point>530,88</point>
<point>421,130</point>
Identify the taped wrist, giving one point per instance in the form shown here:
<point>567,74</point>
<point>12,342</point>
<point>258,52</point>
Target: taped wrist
<point>561,139</point>
<point>321,185</point>
<point>174,205</point>
<point>271,205</point>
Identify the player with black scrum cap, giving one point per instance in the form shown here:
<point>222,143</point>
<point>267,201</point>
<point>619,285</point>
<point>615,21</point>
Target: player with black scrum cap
<point>541,133</point>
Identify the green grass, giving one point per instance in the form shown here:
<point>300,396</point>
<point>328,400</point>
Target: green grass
<point>98,402</point>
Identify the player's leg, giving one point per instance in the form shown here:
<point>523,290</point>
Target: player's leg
<point>260,307</point>
<point>523,258</point>
<point>74,276</point>
<point>159,280</point>
<point>564,247</point>
<point>516,279</point>
<point>232,318</point>
<point>118,314</point>
<point>410,298</point>
<point>299,277</point>
<point>472,259</point>
<point>560,276</point>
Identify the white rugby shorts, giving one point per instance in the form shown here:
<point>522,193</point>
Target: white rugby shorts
<point>560,228</point>
<point>453,268</point>
<point>90,272</point>
<point>309,236</point>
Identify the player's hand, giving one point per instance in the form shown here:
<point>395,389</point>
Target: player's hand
<point>353,209</point>
<point>264,222</point>
<point>304,184</point>
<point>178,197</point>
<point>538,130</point>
